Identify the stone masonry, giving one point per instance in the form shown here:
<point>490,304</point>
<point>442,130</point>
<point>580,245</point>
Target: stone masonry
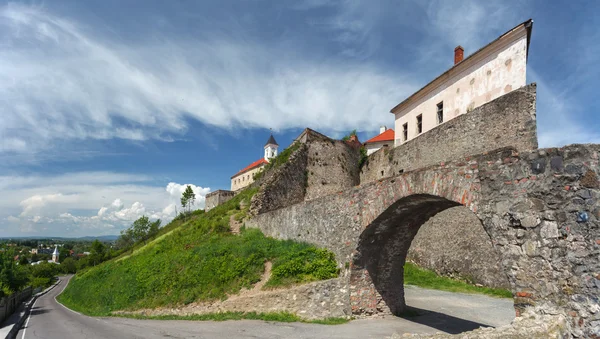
<point>540,209</point>
<point>319,167</point>
<point>508,121</point>
<point>467,254</point>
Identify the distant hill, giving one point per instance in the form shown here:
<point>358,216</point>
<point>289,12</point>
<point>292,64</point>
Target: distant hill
<point>86,238</point>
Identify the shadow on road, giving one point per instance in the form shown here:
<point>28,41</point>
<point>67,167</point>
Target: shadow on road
<point>37,310</point>
<point>440,321</point>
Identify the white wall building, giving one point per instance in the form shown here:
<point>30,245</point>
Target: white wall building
<point>245,176</point>
<point>384,138</point>
<point>492,71</point>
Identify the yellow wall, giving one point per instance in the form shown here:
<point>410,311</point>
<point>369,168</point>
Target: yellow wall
<point>244,179</point>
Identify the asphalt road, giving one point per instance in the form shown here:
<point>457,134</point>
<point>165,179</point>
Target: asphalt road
<point>439,312</point>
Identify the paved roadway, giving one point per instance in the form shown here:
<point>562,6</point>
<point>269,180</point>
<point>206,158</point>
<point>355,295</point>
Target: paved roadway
<point>50,320</point>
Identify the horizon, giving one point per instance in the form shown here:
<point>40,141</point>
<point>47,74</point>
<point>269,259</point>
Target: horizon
<point>108,113</point>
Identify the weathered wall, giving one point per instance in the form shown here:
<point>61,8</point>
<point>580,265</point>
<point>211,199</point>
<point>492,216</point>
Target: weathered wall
<point>318,300</point>
<point>321,166</point>
<point>541,209</point>
<point>332,167</point>
<point>508,121</point>
<point>216,198</point>
<point>284,185</point>
<point>467,252</point>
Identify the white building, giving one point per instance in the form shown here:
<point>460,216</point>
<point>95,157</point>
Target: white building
<point>492,71</point>
<point>384,138</point>
<point>245,176</point>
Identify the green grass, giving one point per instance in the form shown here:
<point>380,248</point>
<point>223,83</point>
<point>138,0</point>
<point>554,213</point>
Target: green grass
<point>417,276</point>
<point>223,316</point>
<point>198,261</point>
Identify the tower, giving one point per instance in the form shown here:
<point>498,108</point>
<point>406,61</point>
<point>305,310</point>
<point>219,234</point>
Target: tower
<point>55,254</point>
<point>271,148</point>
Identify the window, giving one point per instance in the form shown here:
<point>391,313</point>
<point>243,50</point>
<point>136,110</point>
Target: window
<point>419,123</point>
<point>440,112</point>
<point>405,132</point>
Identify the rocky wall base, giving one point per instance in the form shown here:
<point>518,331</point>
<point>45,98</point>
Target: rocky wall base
<point>318,300</point>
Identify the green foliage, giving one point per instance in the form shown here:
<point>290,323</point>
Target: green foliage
<point>363,157</point>
<point>68,265</point>
<point>198,261</point>
<point>13,277</point>
<point>347,136</point>
<point>223,316</point>
<point>187,198</point>
<point>415,275</point>
<point>307,265</point>
<point>283,157</point>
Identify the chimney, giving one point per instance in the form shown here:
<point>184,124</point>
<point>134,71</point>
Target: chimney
<point>458,54</point>
<point>382,129</point>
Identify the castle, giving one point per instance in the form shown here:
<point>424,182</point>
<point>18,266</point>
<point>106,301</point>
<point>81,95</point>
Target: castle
<point>244,177</point>
<point>489,73</point>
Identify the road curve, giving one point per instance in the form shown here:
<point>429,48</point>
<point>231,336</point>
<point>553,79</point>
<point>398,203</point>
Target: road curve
<point>50,319</point>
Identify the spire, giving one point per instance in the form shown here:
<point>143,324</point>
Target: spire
<point>271,141</point>
<point>55,250</point>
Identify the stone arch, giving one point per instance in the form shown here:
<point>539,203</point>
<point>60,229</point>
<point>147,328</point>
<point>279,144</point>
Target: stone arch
<point>377,275</point>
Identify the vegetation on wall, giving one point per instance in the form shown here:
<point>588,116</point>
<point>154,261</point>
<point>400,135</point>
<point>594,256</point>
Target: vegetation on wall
<point>198,261</point>
<point>347,136</point>
<point>279,160</point>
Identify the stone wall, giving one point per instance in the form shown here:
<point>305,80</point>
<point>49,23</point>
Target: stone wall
<point>332,167</point>
<point>282,186</point>
<point>508,121</point>
<point>540,208</point>
<point>321,166</point>
<point>467,252</point>
<point>216,198</point>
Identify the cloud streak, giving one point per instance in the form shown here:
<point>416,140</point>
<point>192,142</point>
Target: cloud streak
<point>61,81</point>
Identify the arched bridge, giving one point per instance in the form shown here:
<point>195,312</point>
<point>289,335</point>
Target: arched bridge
<point>541,210</point>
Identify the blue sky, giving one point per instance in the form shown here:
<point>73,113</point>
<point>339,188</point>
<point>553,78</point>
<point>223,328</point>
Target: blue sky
<point>109,108</point>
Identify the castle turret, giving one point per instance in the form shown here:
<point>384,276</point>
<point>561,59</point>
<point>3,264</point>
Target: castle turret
<point>271,148</point>
<point>55,254</point>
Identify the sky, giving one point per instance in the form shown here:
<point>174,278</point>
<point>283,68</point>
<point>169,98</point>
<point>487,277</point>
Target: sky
<point>108,109</point>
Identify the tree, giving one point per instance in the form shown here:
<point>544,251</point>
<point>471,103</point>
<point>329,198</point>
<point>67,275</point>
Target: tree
<point>23,260</point>
<point>188,198</point>
<point>125,240</point>
<point>97,252</point>
<point>63,254</point>
<point>68,265</point>
<point>153,230</point>
<point>140,229</point>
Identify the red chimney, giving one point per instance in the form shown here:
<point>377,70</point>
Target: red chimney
<point>458,54</point>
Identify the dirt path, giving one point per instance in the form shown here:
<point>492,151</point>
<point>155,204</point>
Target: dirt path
<point>234,225</point>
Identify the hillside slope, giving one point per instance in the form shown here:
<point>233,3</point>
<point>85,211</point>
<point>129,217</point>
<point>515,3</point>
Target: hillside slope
<point>198,261</point>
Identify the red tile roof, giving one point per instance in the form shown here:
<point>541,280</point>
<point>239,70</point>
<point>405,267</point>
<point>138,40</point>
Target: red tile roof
<point>253,165</point>
<point>388,135</point>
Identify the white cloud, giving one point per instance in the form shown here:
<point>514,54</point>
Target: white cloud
<point>104,206</point>
<point>66,82</point>
<point>175,190</point>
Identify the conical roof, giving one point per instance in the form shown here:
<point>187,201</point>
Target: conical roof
<point>271,141</point>
<point>55,251</point>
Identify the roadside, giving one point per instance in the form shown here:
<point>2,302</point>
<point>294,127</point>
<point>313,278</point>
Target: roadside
<point>438,311</point>
<point>11,325</point>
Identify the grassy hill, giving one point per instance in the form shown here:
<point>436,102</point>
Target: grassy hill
<point>195,260</point>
